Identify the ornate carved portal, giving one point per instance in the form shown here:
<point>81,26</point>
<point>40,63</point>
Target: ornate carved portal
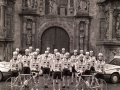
<point>49,24</point>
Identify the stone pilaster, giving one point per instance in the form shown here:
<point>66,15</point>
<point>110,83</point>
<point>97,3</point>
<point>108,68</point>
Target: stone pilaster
<point>86,36</point>
<point>77,35</point>
<point>110,24</point>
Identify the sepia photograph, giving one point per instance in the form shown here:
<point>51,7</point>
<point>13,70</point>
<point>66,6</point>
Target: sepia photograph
<point>59,44</point>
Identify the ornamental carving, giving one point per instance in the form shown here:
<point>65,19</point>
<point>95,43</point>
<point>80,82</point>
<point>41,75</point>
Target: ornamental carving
<point>53,7</point>
<point>118,26</point>
<point>82,7</point>
<point>107,25</point>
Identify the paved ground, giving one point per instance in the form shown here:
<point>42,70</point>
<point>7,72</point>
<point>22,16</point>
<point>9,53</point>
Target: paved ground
<point>3,85</point>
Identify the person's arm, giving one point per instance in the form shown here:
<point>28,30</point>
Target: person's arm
<point>76,66</point>
<point>70,67</point>
<point>11,65</point>
<point>31,64</point>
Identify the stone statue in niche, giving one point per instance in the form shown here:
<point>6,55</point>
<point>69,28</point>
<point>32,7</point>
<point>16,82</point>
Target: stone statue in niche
<point>82,5</point>
<point>118,26</point>
<point>41,5</point>
<point>29,32</point>
<point>32,4</point>
<point>82,34</point>
<point>25,3</point>
<point>35,4</point>
<point>53,7</point>
<point>29,37</point>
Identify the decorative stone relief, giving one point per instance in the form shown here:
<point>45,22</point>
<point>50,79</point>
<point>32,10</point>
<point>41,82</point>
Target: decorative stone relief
<point>29,37</point>
<point>53,7</point>
<point>118,26</point>
<point>82,34</point>
<point>94,8</point>
<point>82,7</point>
<point>107,25</point>
<point>41,5</point>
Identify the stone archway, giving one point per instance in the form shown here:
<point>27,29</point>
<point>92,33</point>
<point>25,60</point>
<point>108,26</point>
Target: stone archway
<point>47,25</point>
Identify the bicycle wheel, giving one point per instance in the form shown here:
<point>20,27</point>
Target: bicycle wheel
<point>102,84</point>
<point>8,84</point>
<point>82,86</point>
<point>13,83</point>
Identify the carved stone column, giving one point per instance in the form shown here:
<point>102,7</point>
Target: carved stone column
<point>110,24</point>
<point>33,28</point>
<point>2,14</point>
<point>86,36</point>
<point>81,35</point>
<point>24,26</point>
<point>77,35</point>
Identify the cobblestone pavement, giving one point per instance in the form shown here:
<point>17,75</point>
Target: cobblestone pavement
<point>3,86</point>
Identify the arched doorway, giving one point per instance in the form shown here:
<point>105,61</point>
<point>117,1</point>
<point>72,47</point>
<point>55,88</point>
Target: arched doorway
<point>55,38</point>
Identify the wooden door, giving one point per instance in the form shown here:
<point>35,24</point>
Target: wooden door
<point>55,38</point>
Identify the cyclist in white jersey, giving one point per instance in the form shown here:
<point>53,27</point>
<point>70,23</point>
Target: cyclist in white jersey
<point>35,67</point>
<point>46,64</point>
<point>31,51</point>
<point>100,66</point>
<point>14,65</point>
<point>74,59</point>
<point>54,55</point>
<point>91,56</point>
<point>57,69</point>
<point>81,52</point>
<point>48,49</point>
<point>38,53</point>
<point>19,57</point>
<point>62,54</point>
<point>26,62</point>
<point>87,57</point>
<point>67,69</point>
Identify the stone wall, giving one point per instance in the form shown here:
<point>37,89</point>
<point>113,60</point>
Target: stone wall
<point>17,25</point>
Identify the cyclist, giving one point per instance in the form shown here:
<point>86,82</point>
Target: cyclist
<point>67,69</point>
<point>57,69</point>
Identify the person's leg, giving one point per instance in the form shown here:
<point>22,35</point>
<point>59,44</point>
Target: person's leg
<point>54,83</point>
<point>72,75</point>
<point>44,76</point>
<point>54,80</point>
<point>68,81</point>
<point>59,84</point>
<point>47,75</point>
<point>59,80</point>
<point>69,75</point>
<point>64,75</point>
<point>33,74</point>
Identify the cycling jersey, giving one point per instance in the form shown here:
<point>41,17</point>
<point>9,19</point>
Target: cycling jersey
<point>74,59</point>
<point>35,64</point>
<point>57,66</point>
<point>67,64</point>
<point>46,62</point>
<point>62,56</point>
<point>26,60</point>
<point>14,64</point>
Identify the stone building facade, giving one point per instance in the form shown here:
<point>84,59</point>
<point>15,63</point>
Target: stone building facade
<point>71,24</point>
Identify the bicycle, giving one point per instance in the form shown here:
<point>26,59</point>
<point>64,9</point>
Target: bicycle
<point>20,82</point>
<point>92,84</point>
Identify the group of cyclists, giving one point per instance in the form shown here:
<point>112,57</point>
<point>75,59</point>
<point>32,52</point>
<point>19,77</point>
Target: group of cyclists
<point>63,68</point>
